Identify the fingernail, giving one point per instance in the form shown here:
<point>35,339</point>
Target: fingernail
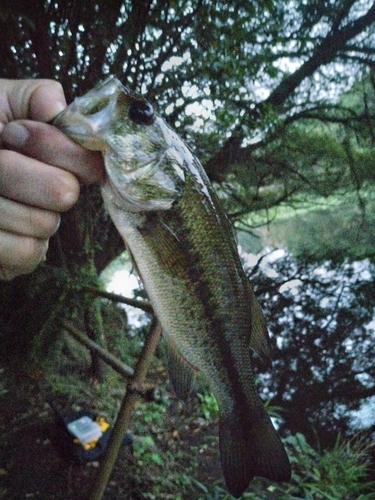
<point>44,249</point>
<point>15,135</point>
<point>59,106</point>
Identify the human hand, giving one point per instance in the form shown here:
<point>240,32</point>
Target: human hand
<point>40,170</point>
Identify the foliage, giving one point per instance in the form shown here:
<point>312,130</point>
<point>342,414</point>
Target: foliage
<point>277,99</point>
<point>208,404</point>
<point>145,452</point>
<point>252,86</point>
<point>332,228</point>
<point>336,474</point>
<point>321,171</point>
<point>323,365</point>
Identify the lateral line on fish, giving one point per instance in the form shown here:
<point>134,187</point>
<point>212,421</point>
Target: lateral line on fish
<point>196,271</point>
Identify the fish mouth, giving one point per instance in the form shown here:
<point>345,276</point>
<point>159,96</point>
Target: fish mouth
<point>86,130</point>
<point>87,118</point>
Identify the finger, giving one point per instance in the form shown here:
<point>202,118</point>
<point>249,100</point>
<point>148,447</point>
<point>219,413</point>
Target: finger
<point>34,183</point>
<point>27,221</point>
<point>20,254</point>
<point>36,99</point>
<point>49,145</point>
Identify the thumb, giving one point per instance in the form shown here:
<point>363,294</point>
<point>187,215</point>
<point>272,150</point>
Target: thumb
<point>46,101</point>
<point>39,100</point>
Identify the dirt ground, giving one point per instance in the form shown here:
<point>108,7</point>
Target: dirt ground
<point>35,465</point>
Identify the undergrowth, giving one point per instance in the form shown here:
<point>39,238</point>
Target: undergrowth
<point>175,450</point>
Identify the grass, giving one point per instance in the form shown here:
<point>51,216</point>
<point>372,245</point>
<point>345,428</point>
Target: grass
<point>176,454</point>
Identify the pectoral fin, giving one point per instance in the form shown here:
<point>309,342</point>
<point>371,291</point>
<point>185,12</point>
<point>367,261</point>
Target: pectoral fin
<point>166,246</point>
<point>181,372</point>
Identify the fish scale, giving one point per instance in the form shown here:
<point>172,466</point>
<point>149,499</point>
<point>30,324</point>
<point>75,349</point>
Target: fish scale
<point>182,244</point>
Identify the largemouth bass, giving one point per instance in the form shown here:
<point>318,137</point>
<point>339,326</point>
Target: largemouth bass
<point>163,205</point>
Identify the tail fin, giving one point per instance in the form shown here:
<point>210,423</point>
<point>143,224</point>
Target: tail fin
<point>249,450</point>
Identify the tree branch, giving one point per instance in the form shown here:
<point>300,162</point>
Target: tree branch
<point>109,358</point>
<point>125,412</point>
<point>145,306</point>
<point>323,54</point>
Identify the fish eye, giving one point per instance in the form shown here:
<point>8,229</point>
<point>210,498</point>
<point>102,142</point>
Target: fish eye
<point>141,112</point>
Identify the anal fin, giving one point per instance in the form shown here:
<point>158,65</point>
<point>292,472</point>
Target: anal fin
<point>259,339</point>
<point>181,372</point>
